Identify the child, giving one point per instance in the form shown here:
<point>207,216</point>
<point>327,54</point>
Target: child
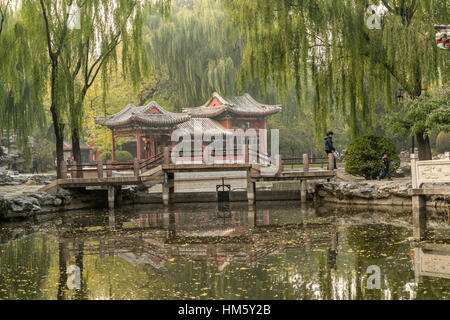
<point>385,168</point>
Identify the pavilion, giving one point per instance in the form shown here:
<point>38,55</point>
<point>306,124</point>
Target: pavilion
<point>152,125</point>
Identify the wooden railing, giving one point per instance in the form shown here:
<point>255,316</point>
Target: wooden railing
<point>75,170</point>
<point>251,155</point>
<point>99,169</point>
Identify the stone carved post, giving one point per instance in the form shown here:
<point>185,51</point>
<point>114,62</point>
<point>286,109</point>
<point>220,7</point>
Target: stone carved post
<point>247,154</point>
<point>305,162</point>
<point>166,155</point>
<point>100,169</point>
<point>63,170</point>
<point>331,161</point>
<point>74,170</point>
<point>109,168</point>
<point>136,167</point>
<point>279,160</point>
<point>414,159</point>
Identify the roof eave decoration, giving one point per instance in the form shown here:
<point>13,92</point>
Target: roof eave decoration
<point>244,106</point>
<point>140,115</point>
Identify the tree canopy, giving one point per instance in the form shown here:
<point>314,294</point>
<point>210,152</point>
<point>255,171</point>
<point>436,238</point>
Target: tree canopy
<point>351,67</point>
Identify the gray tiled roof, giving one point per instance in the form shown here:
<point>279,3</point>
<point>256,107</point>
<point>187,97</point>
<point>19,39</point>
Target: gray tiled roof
<point>140,115</point>
<point>241,105</point>
<point>205,124</point>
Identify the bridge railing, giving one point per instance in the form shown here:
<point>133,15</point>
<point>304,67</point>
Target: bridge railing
<point>246,155</point>
<point>431,171</point>
<point>99,169</point>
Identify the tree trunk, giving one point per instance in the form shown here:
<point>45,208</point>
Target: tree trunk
<point>76,150</point>
<point>59,142</point>
<point>424,147</point>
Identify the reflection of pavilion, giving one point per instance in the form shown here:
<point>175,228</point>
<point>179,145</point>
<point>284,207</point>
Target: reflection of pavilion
<point>431,260</point>
<point>244,237</point>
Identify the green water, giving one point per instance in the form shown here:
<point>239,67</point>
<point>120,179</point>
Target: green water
<point>273,251</point>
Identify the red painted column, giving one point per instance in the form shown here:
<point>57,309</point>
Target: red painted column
<point>138,143</point>
<point>113,151</point>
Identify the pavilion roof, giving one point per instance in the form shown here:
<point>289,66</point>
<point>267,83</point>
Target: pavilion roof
<point>241,105</point>
<point>150,115</point>
<point>205,124</point>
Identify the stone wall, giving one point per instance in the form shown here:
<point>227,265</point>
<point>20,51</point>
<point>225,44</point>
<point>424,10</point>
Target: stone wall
<point>371,193</point>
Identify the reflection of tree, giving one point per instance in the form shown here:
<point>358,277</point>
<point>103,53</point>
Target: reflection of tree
<point>24,265</point>
<point>374,241</point>
<point>433,289</point>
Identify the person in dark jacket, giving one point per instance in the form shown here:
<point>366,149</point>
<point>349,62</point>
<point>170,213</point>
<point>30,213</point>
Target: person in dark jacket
<point>329,148</point>
<point>385,172</point>
<point>34,166</point>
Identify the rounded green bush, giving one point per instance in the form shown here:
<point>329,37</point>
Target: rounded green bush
<point>120,156</point>
<point>124,156</point>
<point>363,156</point>
<point>443,142</point>
<point>105,156</point>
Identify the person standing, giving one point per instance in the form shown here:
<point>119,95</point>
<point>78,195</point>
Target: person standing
<point>329,147</point>
<point>34,166</point>
<point>385,172</point>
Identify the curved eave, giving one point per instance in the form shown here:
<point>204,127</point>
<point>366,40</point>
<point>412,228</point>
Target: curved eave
<point>222,110</point>
<point>139,120</point>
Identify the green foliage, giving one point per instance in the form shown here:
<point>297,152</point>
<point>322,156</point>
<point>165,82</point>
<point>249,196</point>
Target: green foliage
<point>105,156</point>
<point>426,115</point>
<point>124,156</point>
<point>44,155</point>
<point>120,156</point>
<point>443,142</point>
<point>326,45</point>
<point>200,53</point>
<point>22,78</point>
<point>363,156</point>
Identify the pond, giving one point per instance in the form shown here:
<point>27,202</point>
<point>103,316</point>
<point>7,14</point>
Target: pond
<point>270,251</point>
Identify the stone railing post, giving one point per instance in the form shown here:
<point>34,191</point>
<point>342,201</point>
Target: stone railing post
<point>63,170</point>
<point>330,161</point>
<point>305,162</point>
<point>166,155</point>
<point>109,168</point>
<point>246,154</point>
<point>279,161</point>
<point>415,182</point>
<point>136,167</point>
<point>74,170</point>
<point>100,169</point>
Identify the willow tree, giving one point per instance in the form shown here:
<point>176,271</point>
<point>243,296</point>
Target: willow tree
<point>79,51</point>
<point>196,48</point>
<point>351,66</point>
<point>21,78</point>
<point>92,51</point>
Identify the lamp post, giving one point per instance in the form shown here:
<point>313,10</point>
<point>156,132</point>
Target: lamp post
<point>400,96</point>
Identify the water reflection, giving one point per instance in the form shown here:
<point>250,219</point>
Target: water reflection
<point>271,251</point>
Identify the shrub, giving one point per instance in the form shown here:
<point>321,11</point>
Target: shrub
<point>105,156</point>
<point>363,156</point>
<point>443,142</point>
<point>120,156</point>
<point>124,156</point>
